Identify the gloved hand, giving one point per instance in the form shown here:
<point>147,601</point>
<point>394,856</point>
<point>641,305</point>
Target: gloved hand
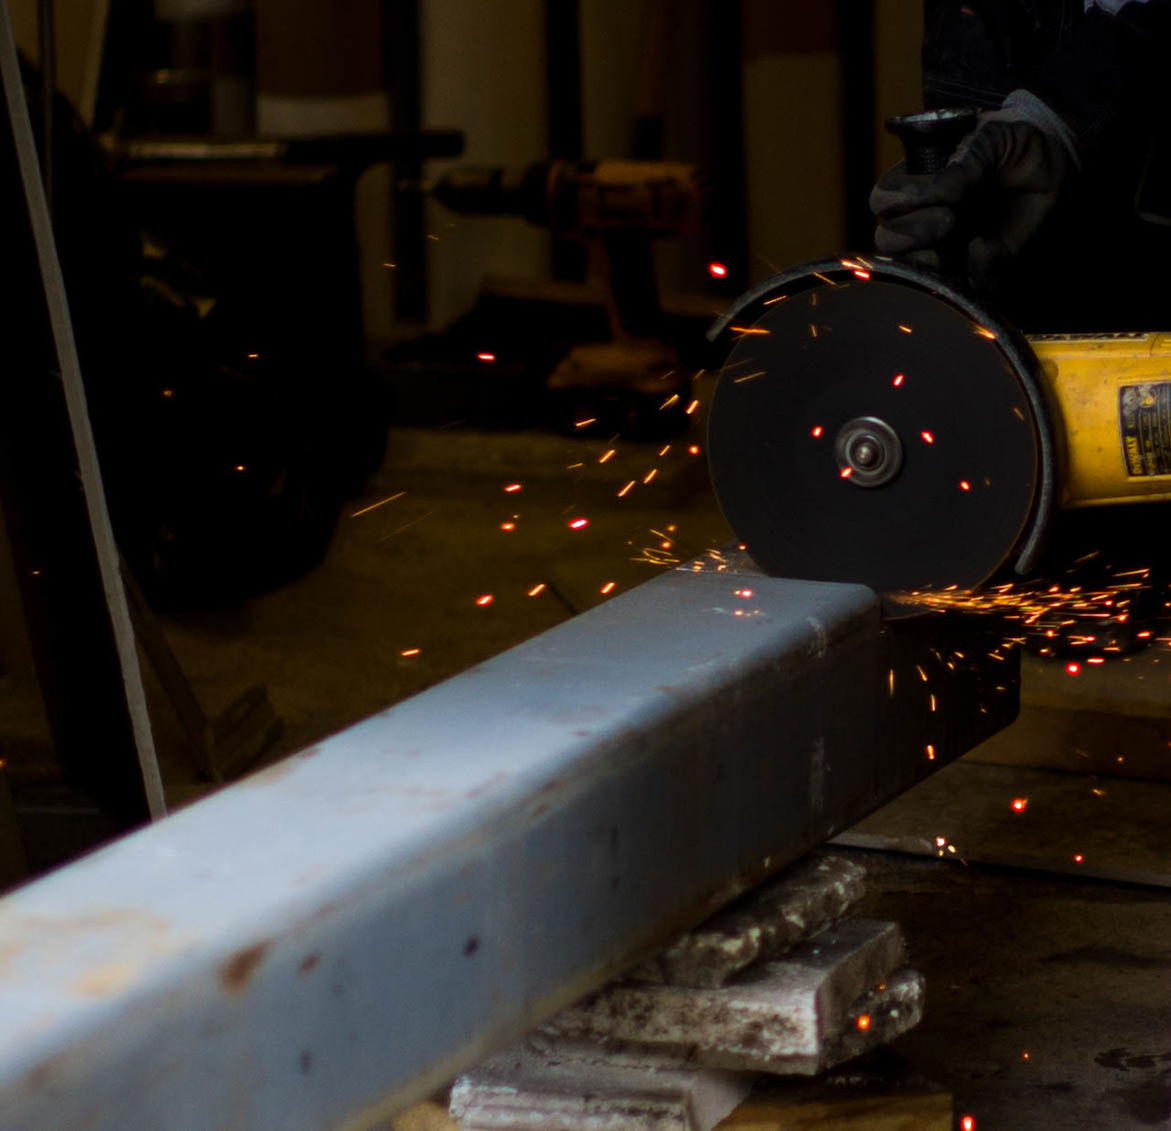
<point>992,196</point>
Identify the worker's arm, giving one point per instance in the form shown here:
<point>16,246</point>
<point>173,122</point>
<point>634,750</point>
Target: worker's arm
<point>1006,177</point>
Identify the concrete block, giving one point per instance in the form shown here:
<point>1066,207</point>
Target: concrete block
<point>579,1088</point>
<point>797,904</point>
<point>784,1013</point>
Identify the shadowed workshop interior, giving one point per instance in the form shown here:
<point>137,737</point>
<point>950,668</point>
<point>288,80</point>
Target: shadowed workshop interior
<point>392,318</point>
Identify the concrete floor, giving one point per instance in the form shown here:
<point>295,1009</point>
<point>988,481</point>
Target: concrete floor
<point>1074,972</point>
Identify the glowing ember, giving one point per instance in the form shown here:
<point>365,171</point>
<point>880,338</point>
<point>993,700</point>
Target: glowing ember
<point>537,590</point>
<point>585,423</point>
<point>239,467</point>
<point>626,490</point>
<point>965,485</point>
<point>1025,1055</point>
<point>968,1123</point>
<point>745,594</point>
<point>650,475</point>
<point>410,651</point>
<point>1020,804</point>
<point>1095,659</point>
<point>1078,858</point>
<point>940,841</point>
<point>928,437</point>
<point>717,270</point>
<point>508,527</point>
<point>817,431</point>
<point>930,752</point>
<point>486,599</point>
<point>168,393</point>
<point>253,356</point>
<point>1073,668</point>
<point>693,450</point>
<point>846,472</point>
<point>899,378</point>
<point>512,488</point>
<point>905,329</point>
<point>664,450</point>
<point>485,357</point>
<point>607,455</point>
<point>692,407</point>
<point>608,587</point>
<point>863,1021</point>
<point>579,523</point>
<point>984,332</point>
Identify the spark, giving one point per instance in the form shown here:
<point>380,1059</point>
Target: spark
<point>585,423</point>
<point>669,401</point>
<point>965,485</point>
<point>664,450</point>
<point>864,1021</point>
<point>812,330</point>
<point>1095,659</point>
<point>579,523</point>
<point>932,698</point>
<point>571,466</point>
<point>485,356</point>
<point>608,587</point>
<point>1078,858</point>
<point>940,841</point>
<point>899,378</point>
<point>1073,667</point>
<point>984,332</point>
<point>168,393</point>
<point>626,490</point>
<point>508,527</point>
<point>692,407</point>
<point>859,274</point>
<point>253,356</point>
<point>742,330</point>
<point>927,437</point>
<point>968,1123</point>
<point>717,270</point>
<point>744,594</point>
<point>930,752</point>
<point>484,600</point>
<point>607,455</point>
<point>650,475</point>
<point>779,298</point>
<point>693,450</point>
<point>537,590</point>
<point>846,472</point>
<point>239,467</point>
<point>512,488</point>
<point>824,278</point>
<point>380,503</point>
<point>817,431</point>
<point>748,377</point>
<point>890,681</point>
<point>410,651</point>
<point>1020,804</point>
<point>905,328</point>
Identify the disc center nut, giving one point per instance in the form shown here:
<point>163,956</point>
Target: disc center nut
<point>871,449</point>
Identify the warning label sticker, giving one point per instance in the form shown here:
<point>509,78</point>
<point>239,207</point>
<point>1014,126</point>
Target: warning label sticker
<point>1144,420</point>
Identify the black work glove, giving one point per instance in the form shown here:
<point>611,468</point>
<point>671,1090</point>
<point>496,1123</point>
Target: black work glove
<point>990,200</point>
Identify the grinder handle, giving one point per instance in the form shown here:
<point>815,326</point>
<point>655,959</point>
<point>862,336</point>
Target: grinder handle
<point>930,137</point>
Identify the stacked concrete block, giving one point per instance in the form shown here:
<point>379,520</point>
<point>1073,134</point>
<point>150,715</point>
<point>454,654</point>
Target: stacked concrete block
<point>779,984</point>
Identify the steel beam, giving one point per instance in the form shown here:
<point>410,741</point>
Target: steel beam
<point>323,942</point>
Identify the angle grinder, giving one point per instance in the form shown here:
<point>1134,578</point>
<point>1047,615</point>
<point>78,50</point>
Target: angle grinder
<point>875,423</point>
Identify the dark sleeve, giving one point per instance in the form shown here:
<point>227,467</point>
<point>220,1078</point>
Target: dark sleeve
<point>1112,66</point>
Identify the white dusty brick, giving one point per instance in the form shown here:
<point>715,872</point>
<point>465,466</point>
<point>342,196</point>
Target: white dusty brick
<point>785,1011</point>
<point>803,900</point>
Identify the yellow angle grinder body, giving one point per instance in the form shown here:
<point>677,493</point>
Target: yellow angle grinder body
<point>873,423</point>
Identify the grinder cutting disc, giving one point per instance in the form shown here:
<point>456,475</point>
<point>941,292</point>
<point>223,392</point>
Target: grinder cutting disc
<point>873,425</point>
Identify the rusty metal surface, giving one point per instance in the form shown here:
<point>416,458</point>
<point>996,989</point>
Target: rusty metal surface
<point>335,936</point>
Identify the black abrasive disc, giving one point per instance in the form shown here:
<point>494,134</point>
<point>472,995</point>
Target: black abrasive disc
<point>872,431</point>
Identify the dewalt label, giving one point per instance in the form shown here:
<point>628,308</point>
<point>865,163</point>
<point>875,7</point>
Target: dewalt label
<point>1144,421</point>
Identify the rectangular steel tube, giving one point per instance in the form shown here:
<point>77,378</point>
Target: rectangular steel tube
<point>321,943</point>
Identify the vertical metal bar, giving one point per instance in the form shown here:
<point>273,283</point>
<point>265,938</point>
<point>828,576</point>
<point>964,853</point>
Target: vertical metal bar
<point>47,41</point>
<point>401,39</point>
<point>54,505</point>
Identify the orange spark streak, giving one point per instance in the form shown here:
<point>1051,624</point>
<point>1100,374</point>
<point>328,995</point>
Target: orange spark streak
<point>817,431</point>
<point>928,437</point>
<point>1020,804</point>
<point>485,357</point>
<point>626,490</point>
<point>650,475</point>
<point>898,380</point>
<point>375,506</point>
<point>486,599</point>
<point>607,455</point>
<point>579,524</point>
<point>537,590</point>
<point>692,407</point>
<point>608,587</point>
<point>512,488</point>
<point>585,423</point>
<point>410,651</point>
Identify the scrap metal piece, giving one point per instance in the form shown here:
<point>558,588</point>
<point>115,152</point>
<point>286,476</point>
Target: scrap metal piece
<point>778,1013</point>
<point>800,902</point>
<point>530,1088</point>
